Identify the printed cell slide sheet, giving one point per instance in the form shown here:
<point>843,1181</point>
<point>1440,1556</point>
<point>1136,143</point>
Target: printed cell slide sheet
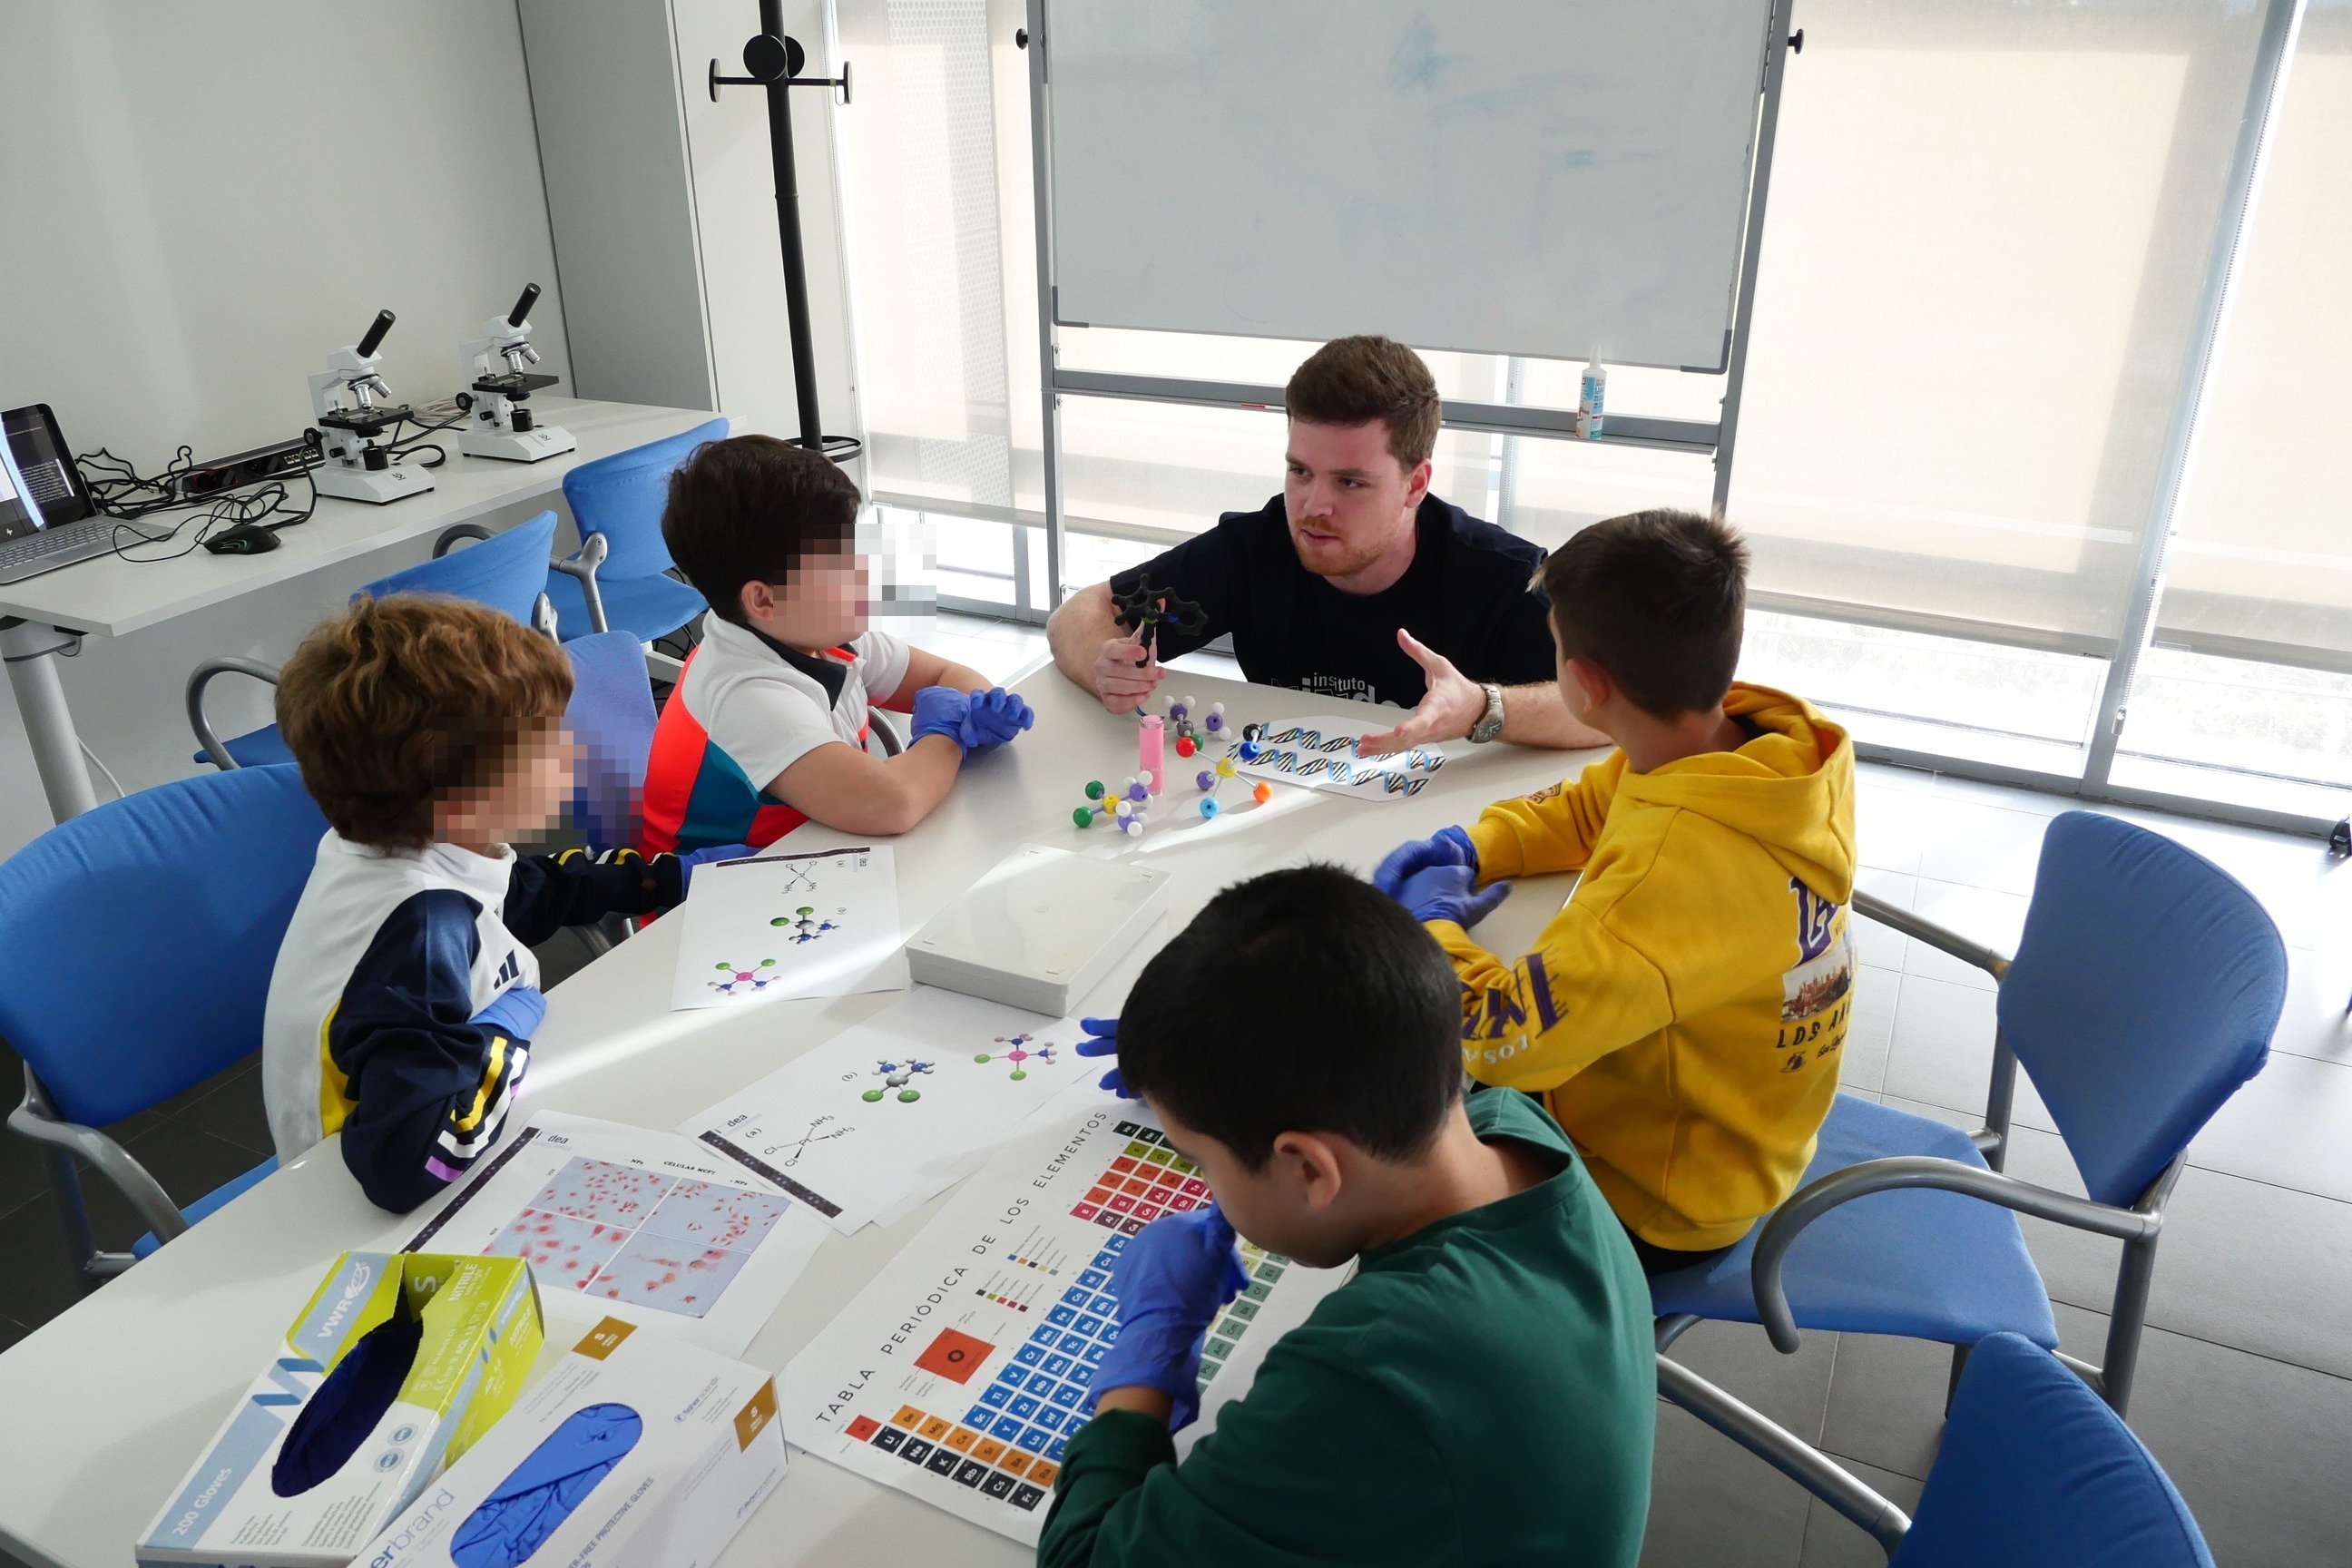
<point>821,924</point>
<point>889,1111</point>
<point>645,1226</point>
<point>961,1373</point>
<point>1320,753</point>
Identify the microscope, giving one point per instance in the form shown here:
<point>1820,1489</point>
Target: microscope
<point>499,426</point>
<point>343,398</point>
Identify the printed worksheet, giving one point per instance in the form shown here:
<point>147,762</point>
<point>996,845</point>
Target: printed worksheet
<point>820,924</point>
<point>643,1226</point>
<point>1320,753</point>
<point>961,1373</point>
<point>889,1111</point>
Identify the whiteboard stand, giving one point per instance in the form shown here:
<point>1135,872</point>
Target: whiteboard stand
<point>1692,437</point>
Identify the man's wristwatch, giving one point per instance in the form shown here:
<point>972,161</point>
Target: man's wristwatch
<point>1491,724</point>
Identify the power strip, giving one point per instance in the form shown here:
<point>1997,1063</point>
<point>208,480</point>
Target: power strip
<point>273,461</point>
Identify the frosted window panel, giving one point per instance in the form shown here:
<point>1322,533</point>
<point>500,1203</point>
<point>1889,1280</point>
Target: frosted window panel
<point>919,190</point>
<point>2263,551</point>
<point>1986,232</point>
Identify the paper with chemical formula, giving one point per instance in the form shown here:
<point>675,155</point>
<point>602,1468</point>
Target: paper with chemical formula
<point>889,1111</point>
<point>773,926</point>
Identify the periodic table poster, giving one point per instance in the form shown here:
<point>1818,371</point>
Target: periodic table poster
<point>962,1371</point>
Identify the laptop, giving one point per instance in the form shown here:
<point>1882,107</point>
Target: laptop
<point>47,517</point>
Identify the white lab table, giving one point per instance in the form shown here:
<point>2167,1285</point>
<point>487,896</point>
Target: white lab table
<point>109,597</point>
<point>103,1409</point>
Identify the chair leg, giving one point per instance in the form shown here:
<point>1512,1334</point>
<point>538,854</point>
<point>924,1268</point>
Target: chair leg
<point>1959,1365</point>
<point>73,1217</point>
<point>1785,1452</point>
<point>2124,1324</point>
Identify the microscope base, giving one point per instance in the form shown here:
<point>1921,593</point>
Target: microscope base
<point>518,445</point>
<point>374,486</point>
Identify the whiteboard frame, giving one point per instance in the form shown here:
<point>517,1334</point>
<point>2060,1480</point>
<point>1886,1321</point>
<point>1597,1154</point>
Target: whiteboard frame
<point>1500,418</point>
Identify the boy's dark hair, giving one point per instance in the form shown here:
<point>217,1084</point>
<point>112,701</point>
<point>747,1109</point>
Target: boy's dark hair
<point>1353,381</point>
<point>1659,600</point>
<point>1300,1001</point>
<point>403,700</point>
<point>746,509</point>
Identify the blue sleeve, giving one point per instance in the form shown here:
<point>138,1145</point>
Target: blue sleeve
<point>427,1091</point>
<point>547,892</point>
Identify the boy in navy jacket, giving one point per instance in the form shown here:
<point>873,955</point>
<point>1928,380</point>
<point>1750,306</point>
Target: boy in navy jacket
<point>430,733</point>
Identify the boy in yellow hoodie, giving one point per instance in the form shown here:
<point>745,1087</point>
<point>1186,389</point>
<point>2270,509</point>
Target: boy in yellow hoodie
<point>1682,1015</point>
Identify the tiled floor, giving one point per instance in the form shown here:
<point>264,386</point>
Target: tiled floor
<point>2245,1382</point>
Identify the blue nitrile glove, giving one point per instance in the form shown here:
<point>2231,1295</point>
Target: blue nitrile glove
<point>1174,1275</point>
<point>1446,846</point>
<point>994,717</point>
<point>688,862</point>
<point>1102,1040</point>
<point>1449,893</point>
<point>939,710</point>
<point>515,1013</point>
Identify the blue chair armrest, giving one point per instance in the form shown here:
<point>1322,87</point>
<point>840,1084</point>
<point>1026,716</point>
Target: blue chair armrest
<point>202,677</point>
<point>1904,1171</point>
<point>583,565</point>
<point>1931,933</point>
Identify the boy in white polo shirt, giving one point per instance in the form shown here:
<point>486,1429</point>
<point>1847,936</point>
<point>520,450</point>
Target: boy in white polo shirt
<point>768,727</point>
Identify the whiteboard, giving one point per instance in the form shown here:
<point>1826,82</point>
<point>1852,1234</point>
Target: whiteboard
<point>1537,177</point>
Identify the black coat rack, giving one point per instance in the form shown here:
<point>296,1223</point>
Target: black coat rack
<point>774,62</point>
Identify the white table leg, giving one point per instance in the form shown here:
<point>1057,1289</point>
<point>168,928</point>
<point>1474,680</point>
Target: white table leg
<point>31,652</point>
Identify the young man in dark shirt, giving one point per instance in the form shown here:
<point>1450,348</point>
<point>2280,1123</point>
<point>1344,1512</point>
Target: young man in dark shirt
<point>1356,582</point>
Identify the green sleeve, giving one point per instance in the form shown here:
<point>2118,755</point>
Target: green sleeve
<point>1309,1467</point>
<point>1105,1461</point>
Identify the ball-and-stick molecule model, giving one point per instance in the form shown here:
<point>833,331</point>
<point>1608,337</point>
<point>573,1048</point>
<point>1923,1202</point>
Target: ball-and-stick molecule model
<point>895,1075</point>
<point>1019,1053</point>
<point>732,979</point>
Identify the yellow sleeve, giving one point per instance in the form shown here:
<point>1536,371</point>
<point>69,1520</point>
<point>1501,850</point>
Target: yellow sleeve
<point>1533,1024</point>
<point>1550,830</point>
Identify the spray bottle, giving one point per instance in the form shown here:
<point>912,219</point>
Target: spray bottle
<point>1590,398</point>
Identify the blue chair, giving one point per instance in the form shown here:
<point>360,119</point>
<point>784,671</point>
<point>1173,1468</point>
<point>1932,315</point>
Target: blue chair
<point>140,938</point>
<point>506,571</point>
<point>618,579</point>
<point>2034,1472</point>
<point>2145,991</point>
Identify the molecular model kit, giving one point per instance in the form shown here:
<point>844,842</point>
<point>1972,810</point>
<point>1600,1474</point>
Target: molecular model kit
<point>1129,809</point>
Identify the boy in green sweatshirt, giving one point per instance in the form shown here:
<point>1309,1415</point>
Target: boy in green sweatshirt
<point>1482,1389</point>
<point>1684,1013</point>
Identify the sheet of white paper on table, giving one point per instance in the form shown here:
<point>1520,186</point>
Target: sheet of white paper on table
<point>1319,751</point>
<point>632,1224</point>
<point>1011,1279</point>
<point>776,926</point>
<point>889,1111</point>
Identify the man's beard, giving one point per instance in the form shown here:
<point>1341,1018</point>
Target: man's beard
<point>1350,558</point>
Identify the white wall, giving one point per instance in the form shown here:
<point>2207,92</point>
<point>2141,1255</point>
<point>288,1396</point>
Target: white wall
<point>197,202</point>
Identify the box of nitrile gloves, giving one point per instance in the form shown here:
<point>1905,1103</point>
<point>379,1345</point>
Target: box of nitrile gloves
<point>635,1451</point>
<point>399,1363</point>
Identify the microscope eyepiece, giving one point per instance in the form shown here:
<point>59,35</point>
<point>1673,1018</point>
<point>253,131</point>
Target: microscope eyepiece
<point>376,332</point>
<point>521,312</point>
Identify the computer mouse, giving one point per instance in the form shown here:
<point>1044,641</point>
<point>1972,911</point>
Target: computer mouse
<point>244,539</point>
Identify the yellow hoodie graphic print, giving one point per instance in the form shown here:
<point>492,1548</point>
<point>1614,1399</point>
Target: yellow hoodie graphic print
<point>1683,1014</point>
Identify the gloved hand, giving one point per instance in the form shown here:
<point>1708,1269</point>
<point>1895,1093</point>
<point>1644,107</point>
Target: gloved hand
<point>941,710</point>
<point>515,1013</point>
<point>993,717</point>
<point>1102,1040</point>
<point>688,862</point>
<point>1446,846</point>
<point>1174,1275</point>
<point>1446,893</point>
